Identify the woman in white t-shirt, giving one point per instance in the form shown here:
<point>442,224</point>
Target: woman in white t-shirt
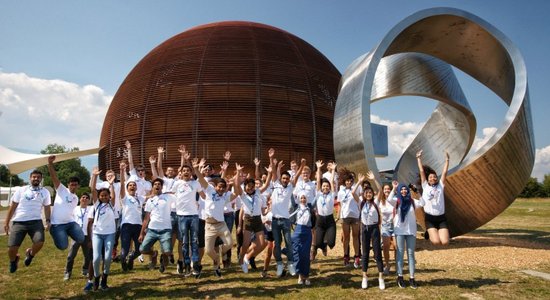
<point>386,229</point>
<point>102,229</point>
<point>434,196</point>
<point>131,222</point>
<point>404,223</point>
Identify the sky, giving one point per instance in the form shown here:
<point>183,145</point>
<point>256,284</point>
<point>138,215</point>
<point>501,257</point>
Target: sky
<point>61,62</point>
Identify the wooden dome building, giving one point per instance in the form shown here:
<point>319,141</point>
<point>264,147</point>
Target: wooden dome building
<point>238,86</point>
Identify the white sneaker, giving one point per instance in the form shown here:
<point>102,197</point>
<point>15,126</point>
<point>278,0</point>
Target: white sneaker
<point>280,269</point>
<point>364,283</point>
<point>246,261</point>
<point>292,269</point>
<point>307,282</point>
<point>300,281</point>
<point>244,266</point>
<point>381,284</point>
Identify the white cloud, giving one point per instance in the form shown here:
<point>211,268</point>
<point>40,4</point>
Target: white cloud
<point>37,112</point>
<point>542,163</point>
<point>480,141</point>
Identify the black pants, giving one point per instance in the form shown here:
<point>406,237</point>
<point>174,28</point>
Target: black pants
<point>368,234</point>
<point>325,232</point>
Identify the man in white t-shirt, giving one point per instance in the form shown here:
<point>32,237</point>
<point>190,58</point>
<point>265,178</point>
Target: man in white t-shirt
<point>137,174</point>
<point>25,213</point>
<point>63,224</point>
<point>158,224</point>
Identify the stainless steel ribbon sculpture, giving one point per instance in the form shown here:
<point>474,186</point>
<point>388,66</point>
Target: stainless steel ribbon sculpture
<point>415,58</point>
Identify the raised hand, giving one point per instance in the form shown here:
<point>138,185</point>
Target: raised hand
<point>446,155</point>
<point>224,165</point>
<point>395,184</point>
<point>123,165</point>
<point>152,159</point>
<point>419,154</point>
<point>280,165</point>
<point>361,177</point>
<point>271,152</point>
<point>319,164</point>
<point>96,171</point>
<point>256,161</point>
<point>195,162</point>
<point>269,169</point>
<point>370,175</point>
<point>238,167</point>
<point>181,149</point>
<point>51,159</point>
<point>128,145</point>
<point>202,162</point>
<point>160,150</point>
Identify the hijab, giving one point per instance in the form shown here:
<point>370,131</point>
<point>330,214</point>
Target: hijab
<point>404,202</point>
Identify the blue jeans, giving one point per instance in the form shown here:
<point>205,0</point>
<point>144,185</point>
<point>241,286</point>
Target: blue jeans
<point>411,245</point>
<point>128,233</point>
<point>105,242</point>
<point>61,233</point>
<point>281,229</point>
<point>189,234</point>
<point>164,236</point>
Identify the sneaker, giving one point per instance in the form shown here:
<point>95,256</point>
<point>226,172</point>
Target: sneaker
<point>280,269</point>
<point>381,283</point>
<point>325,251</point>
<point>307,282</point>
<point>197,270</point>
<point>172,261</point>
<point>88,287</point>
<point>253,263</point>
<point>84,272</point>
<point>180,267</point>
<point>96,283</point>
<point>387,270</point>
<point>364,283</point>
<point>400,282</point>
<point>264,274</point>
<point>13,264</point>
<point>291,269</point>
<point>67,276</point>
<point>124,265</point>
<point>412,282</point>
<point>140,258</point>
<point>300,281</point>
<point>244,267</point>
<point>346,261</point>
<point>218,272</point>
<point>357,262</point>
<point>130,262</point>
<point>187,271</point>
<point>28,257</point>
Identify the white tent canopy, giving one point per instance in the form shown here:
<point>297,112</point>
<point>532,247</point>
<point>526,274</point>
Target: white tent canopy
<point>18,162</point>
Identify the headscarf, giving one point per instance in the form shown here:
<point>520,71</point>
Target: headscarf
<point>404,203</point>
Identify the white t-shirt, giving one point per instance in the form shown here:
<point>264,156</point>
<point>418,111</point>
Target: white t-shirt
<point>63,206</point>
<point>267,218</point>
<point>186,197</point>
<point>131,209</point>
<point>214,203</point>
<point>325,203</point>
<point>349,208</point>
<point>408,226</point>
<point>280,199</point>
<point>253,204</point>
<point>308,187</point>
<point>386,210</point>
<point>159,209</point>
<point>103,216</point>
<point>303,216</point>
<point>143,186</point>
<point>434,197</point>
<point>80,215</point>
<point>116,186</point>
<point>369,214</point>
<point>168,184</point>
<point>30,201</point>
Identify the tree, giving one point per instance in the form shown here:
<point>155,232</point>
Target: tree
<point>65,169</point>
<point>5,178</point>
<point>546,185</point>
<point>532,189</point>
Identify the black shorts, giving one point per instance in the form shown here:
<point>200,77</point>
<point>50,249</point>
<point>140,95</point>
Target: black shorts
<point>253,223</point>
<point>34,228</point>
<point>437,222</point>
<point>268,235</point>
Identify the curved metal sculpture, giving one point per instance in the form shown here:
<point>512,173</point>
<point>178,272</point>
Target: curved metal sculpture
<point>414,58</point>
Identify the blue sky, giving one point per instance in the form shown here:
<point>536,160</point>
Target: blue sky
<point>61,62</point>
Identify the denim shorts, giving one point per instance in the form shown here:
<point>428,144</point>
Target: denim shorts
<point>164,236</point>
<point>387,229</point>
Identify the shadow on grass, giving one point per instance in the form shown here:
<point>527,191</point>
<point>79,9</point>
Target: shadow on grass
<point>474,283</point>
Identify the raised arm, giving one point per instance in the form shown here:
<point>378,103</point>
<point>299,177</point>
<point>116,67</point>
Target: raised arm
<point>160,171</point>
<point>153,161</point>
<point>53,174</point>
<point>112,190</point>
<point>237,185</point>
<point>95,172</point>
<point>122,183</point>
<point>268,179</point>
<point>420,167</point>
<point>198,166</point>
<point>130,157</point>
<point>332,175</point>
<point>371,178</point>
<point>277,175</point>
<point>257,173</point>
<point>299,171</point>
<point>185,156</point>
<point>445,168</point>
<point>319,164</point>
<point>356,185</point>
<point>223,168</point>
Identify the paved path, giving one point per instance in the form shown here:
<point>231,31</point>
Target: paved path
<point>537,274</point>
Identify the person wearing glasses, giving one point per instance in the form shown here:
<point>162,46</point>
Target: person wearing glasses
<point>434,196</point>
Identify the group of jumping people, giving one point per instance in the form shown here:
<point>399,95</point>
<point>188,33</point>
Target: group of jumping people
<point>281,212</point>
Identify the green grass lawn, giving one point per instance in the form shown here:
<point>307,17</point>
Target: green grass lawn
<point>525,219</point>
